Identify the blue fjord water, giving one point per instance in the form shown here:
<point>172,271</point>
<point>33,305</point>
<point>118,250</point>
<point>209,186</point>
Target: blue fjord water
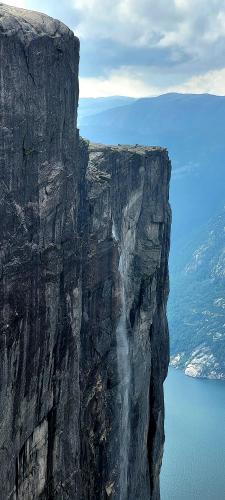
<point>194,457</point>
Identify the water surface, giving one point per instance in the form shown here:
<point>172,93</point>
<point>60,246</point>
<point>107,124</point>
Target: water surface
<point>194,457</point>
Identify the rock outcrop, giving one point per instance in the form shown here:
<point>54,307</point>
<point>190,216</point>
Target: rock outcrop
<point>84,285</point>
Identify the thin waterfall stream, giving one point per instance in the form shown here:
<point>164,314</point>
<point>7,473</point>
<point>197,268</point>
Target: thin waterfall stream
<point>124,372</point>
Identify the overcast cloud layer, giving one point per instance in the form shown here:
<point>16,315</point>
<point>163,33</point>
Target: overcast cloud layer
<point>145,47</point>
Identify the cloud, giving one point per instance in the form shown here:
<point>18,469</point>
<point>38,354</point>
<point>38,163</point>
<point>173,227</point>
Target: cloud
<point>134,82</point>
<point>156,45</point>
<point>139,23</point>
<point>212,82</point>
<point>118,83</point>
<point>189,25</point>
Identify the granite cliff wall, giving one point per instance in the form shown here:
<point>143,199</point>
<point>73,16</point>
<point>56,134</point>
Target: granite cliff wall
<point>84,284</point>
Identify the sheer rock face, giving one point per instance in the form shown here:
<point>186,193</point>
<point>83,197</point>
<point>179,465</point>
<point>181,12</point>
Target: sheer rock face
<point>69,213</point>
<point>127,212</point>
<point>40,265</point>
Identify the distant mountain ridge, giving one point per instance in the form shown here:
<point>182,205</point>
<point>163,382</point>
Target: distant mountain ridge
<point>191,126</point>
<point>93,105</point>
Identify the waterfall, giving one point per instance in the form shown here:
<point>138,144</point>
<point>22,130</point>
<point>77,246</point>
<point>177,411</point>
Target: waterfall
<point>124,372</point>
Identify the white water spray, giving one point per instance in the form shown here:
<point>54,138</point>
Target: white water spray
<point>124,372</point>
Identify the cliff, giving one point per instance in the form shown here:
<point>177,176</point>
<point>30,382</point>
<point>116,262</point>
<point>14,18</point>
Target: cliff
<point>84,284</point>
<point>197,298</point>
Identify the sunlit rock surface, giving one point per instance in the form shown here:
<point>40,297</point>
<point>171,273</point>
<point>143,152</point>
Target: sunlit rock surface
<point>84,285</point>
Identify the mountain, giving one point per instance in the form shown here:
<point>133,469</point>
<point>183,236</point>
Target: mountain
<point>192,128</point>
<point>90,106</point>
<point>84,238</point>
<point>197,304</point>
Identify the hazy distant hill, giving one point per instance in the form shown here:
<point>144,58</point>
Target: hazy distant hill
<point>90,106</point>
<point>192,128</point>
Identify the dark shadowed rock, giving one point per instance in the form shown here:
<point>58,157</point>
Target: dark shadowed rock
<point>84,248</point>
<point>127,215</point>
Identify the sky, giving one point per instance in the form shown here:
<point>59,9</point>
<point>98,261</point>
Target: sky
<point>143,48</point>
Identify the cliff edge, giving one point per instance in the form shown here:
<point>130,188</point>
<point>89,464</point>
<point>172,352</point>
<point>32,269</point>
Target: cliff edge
<point>84,244</point>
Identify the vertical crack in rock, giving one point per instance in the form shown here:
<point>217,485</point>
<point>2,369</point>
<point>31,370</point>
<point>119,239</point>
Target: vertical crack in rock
<point>84,246</point>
